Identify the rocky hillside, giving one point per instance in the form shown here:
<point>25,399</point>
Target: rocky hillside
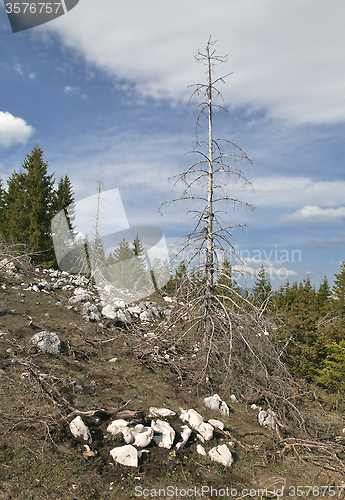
<point>83,417</point>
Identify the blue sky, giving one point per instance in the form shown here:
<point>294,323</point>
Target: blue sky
<point>107,84</point>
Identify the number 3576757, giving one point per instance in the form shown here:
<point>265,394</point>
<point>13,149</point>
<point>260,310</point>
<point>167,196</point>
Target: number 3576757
<point>33,8</point>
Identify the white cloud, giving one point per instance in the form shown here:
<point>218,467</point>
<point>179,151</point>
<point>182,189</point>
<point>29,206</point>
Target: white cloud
<point>286,57</point>
<point>74,90</point>
<point>19,68</point>
<point>312,215</point>
<point>13,130</point>
<point>273,272</point>
<point>337,242</point>
<point>294,192</point>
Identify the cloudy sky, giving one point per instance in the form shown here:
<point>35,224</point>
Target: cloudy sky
<point>107,84</point>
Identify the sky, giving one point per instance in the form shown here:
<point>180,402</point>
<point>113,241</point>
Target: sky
<point>108,85</point>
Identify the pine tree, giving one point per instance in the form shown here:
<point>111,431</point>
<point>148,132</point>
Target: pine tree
<point>63,227</point>
<point>64,200</point>
<point>178,280</point>
<point>338,299</point>
<point>323,296</point>
<point>302,327</point>
<point>29,201</point>
<point>226,282</point>
<point>262,289</point>
<point>123,252</point>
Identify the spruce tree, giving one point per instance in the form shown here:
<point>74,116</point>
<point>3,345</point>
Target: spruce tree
<point>262,289</point>
<point>338,299</point>
<point>64,200</point>
<point>323,296</point>
<point>30,206</point>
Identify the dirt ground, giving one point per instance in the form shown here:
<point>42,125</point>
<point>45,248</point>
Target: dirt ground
<point>39,457</point>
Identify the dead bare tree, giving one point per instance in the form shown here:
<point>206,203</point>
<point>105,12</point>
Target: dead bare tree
<point>215,338</point>
<point>206,182</point>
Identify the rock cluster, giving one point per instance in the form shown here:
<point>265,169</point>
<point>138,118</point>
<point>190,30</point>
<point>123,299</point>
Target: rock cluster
<point>86,297</point>
<point>161,433</point>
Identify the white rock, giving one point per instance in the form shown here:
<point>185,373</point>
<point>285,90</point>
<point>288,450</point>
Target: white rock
<point>127,435</point>
<point>124,316</point>
<point>47,342</point>
<point>135,310</point>
<point>126,455</point>
<point>224,409</point>
<point>201,450</point>
<point>146,316</point>
<point>116,426</point>
<point>185,435</point>
<point>142,435</point>
<point>109,312</point>
<point>213,402</point>
<point>192,417</point>
<point>206,430</point>
<point>216,423</point>
<point>266,418</point>
<point>79,429</point>
<point>222,455</point>
<point>119,303</point>
<point>233,398</point>
<point>166,434</point>
<point>45,285</point>
<point>253,406</point>
<point>161,412</point>
<point>112,360</point>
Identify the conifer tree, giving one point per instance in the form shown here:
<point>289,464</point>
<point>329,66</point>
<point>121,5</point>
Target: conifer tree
<point>30,201</point>
<point>226,282</point>
<point>123,252</point>
<point>338,299</point>
<point>262,289</point>
<point>323,296</point>
<point>64,200</point>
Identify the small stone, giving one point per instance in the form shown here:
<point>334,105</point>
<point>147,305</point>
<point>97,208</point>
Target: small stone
<point>185,435</point>
<point>266,418</point>
<point>161,412</point>
<point>146,316</point>
<point>80,430</point>
<point>142,435</point>
<point>201,450</point>
<point>126,455</point>
<point>47,342</point>
<point>113,360</point>
<point>166,434</point>
<point>109,312</point>
<point>216,423</point>
<point>213,402</point>
<point>222,455</point>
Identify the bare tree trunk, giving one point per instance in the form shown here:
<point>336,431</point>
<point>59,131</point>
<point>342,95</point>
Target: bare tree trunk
<point>209,244</point>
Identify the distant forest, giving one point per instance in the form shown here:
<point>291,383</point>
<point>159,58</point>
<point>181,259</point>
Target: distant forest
<point>310,321</point>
